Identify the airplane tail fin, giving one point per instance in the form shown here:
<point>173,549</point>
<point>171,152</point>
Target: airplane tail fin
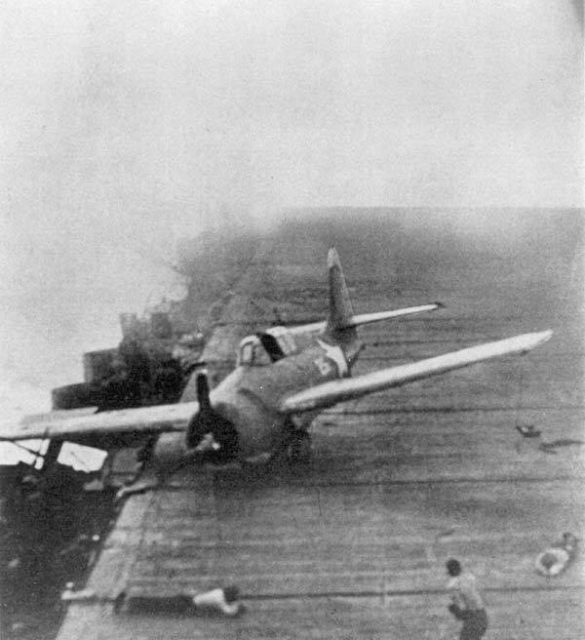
<point>340,308</point>
<point>342,323</point>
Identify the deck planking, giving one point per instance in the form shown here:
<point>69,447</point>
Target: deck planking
<point>353,544</point>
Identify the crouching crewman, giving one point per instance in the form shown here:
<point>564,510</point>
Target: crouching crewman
<point>466,602</point>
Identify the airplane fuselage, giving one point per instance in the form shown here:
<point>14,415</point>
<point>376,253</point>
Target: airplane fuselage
<point>282,379</point>
<point>250,395</point>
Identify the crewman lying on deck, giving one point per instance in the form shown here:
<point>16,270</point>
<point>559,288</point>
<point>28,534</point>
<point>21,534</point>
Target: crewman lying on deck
<point>223,600</point>
<point>216,601</point>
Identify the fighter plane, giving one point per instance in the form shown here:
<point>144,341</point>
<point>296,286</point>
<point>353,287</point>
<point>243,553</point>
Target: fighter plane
<point>263,409</point>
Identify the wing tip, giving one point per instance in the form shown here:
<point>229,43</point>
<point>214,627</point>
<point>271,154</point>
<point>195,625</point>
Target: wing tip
<point>533,340</point>
<point>544,336</point>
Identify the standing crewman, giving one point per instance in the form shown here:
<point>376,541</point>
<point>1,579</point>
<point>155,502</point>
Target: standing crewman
<point>466,602</point>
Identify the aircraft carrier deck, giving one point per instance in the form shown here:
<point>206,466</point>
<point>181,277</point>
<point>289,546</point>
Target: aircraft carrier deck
<point>353,545</point>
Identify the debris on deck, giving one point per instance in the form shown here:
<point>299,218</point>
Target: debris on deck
<point>557,558</point>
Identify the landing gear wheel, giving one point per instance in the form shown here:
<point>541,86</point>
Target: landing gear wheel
<point>299,450</point>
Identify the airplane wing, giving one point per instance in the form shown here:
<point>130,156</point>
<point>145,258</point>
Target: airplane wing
<point>86,422</point>
<point>330,393</point>
<point>367,318</point>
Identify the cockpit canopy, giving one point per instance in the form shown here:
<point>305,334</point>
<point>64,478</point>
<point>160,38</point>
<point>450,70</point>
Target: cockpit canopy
<point>265,348</point>
<point>251,353</point>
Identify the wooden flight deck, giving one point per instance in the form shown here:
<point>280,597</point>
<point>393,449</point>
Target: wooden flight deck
<point>353,544</point>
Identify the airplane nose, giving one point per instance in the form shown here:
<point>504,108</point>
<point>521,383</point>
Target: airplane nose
<point>208,443</point>
<point>209,431</point>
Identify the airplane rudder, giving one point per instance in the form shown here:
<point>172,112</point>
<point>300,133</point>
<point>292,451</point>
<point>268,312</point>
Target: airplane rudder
<point>340,307</point>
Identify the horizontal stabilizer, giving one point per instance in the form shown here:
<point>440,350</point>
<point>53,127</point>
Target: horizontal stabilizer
<point>76,424</point>
<point>329,393</point>
<point>367,318</point>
